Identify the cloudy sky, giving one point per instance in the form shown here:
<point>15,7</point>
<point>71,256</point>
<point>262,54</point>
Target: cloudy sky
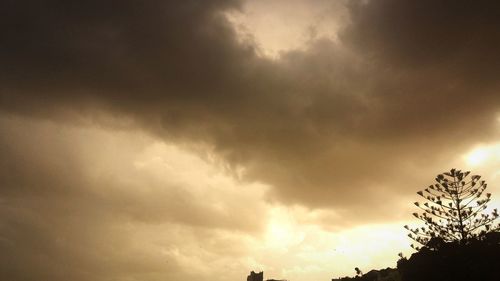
<point>199,140</point>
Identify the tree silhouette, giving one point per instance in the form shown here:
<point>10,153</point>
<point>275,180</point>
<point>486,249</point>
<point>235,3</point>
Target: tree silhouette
<point>358,272</point>
<point>453,210</point>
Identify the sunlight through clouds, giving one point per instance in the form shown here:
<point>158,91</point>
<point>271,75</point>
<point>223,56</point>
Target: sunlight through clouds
<point>478,156</point>
<point>286,25</point>
<point>483,155</point>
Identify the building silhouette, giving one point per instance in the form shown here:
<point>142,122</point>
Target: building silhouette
<point>259,277</point>
<point>256,276</point>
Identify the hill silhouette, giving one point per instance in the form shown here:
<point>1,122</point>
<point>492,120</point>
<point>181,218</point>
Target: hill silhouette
<point>477,260</point>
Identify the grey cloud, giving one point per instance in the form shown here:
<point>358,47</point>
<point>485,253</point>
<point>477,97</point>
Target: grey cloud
<point>62,216</point>
<point>426,33</point>
<point>61,167</point>
<point>322,126</point>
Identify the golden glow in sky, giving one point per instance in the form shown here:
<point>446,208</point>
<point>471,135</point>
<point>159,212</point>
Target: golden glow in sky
<point>483,154</point>
<point>187,195</point>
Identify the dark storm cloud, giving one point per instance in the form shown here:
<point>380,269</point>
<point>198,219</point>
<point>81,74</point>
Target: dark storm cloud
<point>441,54</point>
<point>322,125</point>
<point>428,33</point>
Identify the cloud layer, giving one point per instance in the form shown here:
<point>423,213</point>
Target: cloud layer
<point>313,124</point>
<point>338,125</point>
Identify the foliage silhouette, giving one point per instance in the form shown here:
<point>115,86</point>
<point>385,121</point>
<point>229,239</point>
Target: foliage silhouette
<point>387,274</point>
<point>358,272</point>
<point>479,259</point>
<point>453,211</point>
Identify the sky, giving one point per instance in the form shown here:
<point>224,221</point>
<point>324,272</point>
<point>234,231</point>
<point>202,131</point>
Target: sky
<point>183,140</point>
